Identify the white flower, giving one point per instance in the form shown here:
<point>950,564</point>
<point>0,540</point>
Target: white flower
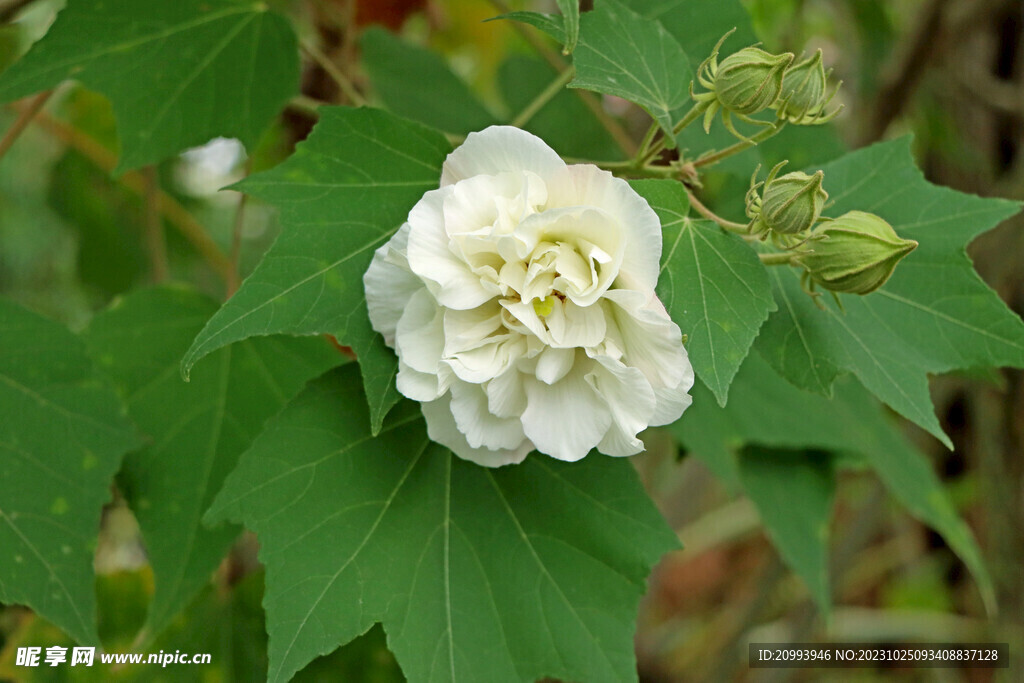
<point>520,299</point>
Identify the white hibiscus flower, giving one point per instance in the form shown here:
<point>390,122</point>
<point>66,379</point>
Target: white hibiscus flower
<point>520,299</point>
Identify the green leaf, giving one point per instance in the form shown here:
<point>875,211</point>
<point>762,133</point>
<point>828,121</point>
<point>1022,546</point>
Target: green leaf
<point>416,83</point>
<point>935,314</point>
<point>712,283</point>
<point>766,411</point>
<point>621,53</point>
<point>551,24</point>
<point>793,492</point>
<point>177,73</point>
<point>564,123</point>
<point>570,10</point>
<point>509,574</point>
<point>62,435</point>
<point>343,193</point>
<point>196,429</point>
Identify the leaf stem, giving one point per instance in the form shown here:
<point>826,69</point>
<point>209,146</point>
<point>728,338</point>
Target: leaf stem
<point>175,214</point>
<point>153,237</point>
<point>645,153</point>
<point>614,128</point>
<point>24,118</point>
<point>715,157</point>
<point>331,69</point>
<point>543,97</point>
<point>776,259</point>
<point>728,225</point>
<point>696,110</point>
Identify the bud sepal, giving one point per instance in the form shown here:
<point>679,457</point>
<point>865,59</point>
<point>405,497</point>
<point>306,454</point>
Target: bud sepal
<point>805,93</point>
<point>853,254</point>
<point>787,207</point>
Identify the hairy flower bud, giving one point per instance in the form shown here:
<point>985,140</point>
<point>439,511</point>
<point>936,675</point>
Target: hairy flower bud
<point>750,80</point>
<point>788,205</point>
<point>804,93</point>
<point>857,253</point>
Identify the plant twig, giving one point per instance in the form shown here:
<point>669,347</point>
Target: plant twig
<point>11,10</point>
<point>743,145</point>
<point>731,226</point>
<point>153,236</point>
<point>332,70</point>
<point>236,245</point>
<point>776,259</point>
<point>543,98</point>
<point>617,132</point>
<point>25,117</point>
<point>176,214</point>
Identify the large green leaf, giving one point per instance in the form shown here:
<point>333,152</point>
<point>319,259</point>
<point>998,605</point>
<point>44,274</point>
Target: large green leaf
<point>416,83</point>
<point>712,283</point>
<point>343,193</point>
<point>934,315</point>
<point>196,429</point>
<point>177,73</point>
<point>62,435</point>
<point>509,574</point>
<point>793,492</point>
<point>621,53</point>
<point>766,411</point>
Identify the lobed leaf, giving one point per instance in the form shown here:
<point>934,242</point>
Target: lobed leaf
<point>509,574</point>
<point>62,435</point>
<point>343,193</point>
<point>177,73</point>
<point>712,283</point>
<point>934,315</point>
<point>196,429</point>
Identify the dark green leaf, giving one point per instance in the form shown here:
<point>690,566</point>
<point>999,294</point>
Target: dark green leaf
<point>416,83</point>
<point>934,315</point>
<point>793,492</point>
<point>765,411</point>
<point>564,123</point>
<point>62,435</point>
<point>712,283</point>
<point>621,53</point>
<point>177,73</point>
<point>551,24</point>
<point>460,563</point>
<point>196,429</point>
<point>343,193</point>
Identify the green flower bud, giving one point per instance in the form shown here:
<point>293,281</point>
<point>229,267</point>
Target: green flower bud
<point>750,80</point>
<point>855,253</point>
<point>788,205</point>
<point>804,93</point>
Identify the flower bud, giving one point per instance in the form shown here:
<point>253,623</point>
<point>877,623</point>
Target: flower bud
<point>856,253</point>
<point>804,93</point>
<point>788,205</point>
<point>750,80</point>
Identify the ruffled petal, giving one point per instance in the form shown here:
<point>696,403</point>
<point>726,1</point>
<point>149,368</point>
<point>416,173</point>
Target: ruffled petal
<point>630,399</point>
<point>567,419</point>
<point>505,394</point>
<point>591,186</point>
<point>389,284</point>
<point>672,402</point>
<point>650,340</point>
<point>441,428</point>
<point>499,149</point>
<point>449,278</point>
<point>481,428</point>
<point>419,386</point>
<point>419,335</point>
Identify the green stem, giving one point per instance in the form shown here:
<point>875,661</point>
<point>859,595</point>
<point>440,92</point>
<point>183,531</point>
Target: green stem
<point>543,97</point>
<point>24,118</point>
<point>728,225</point>
<point>715,157</point>
<point>642,153</point>
<point>776,259</point>
<point>696,110</point>
<point>630,169</point>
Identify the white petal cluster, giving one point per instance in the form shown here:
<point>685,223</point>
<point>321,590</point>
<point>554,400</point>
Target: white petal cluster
<point>520,299</point>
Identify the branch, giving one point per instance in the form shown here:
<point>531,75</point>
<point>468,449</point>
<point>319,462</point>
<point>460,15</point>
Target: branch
<point>153,237</point>
<point>24,118</point>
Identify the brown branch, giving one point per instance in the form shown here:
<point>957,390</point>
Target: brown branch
<point>176,214</point>
<point>11,10</point>
<point>24,118</point>
<point>153,236</point>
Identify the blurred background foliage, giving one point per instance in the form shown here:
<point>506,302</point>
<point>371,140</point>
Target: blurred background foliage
<point>952,73</point>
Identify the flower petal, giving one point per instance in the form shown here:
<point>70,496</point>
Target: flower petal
<point>567,419</point>
<point>631,401</point>
<point>449,278</point>
<point>505,394</point>
<point>499,149</point>
<point>419,386</point>
<point>441,428</point>
<point>419,335</point>
<point>650,340</point>
<point>389,284</point>
<point>481,428</point>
